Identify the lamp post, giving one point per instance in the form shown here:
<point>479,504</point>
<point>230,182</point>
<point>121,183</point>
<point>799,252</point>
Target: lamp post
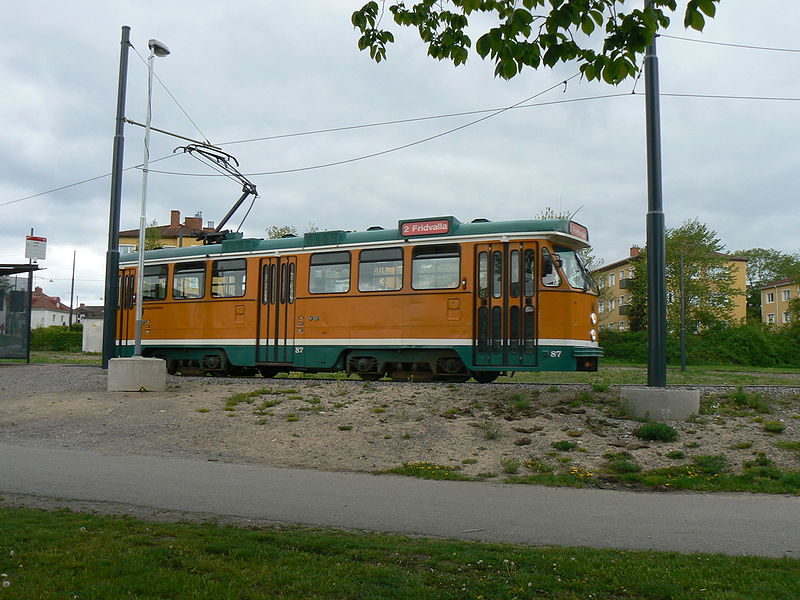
<point>156,49</point>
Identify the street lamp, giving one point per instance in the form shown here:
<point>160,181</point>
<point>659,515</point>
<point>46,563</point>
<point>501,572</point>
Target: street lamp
<point>156,49</point>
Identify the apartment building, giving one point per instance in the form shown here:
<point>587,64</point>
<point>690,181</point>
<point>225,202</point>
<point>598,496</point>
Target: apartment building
<point>615,281</point>
<point>776,298</point>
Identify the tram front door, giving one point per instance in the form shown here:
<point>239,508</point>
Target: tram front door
<point>506,308</point>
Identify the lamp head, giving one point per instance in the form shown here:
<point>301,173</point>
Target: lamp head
<point>158,48</point>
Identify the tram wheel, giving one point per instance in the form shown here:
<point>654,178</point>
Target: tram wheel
<point>485,376</point>
<point>268,372</point>
<point>370,376</point>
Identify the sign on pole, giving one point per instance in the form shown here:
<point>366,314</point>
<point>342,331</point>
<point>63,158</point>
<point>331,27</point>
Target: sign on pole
<point>35,247</point>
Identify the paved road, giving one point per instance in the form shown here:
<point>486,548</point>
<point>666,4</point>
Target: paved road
<point>731,524</point>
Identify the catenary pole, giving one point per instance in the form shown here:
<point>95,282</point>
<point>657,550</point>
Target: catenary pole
<point>656,246</point>
<point>112,254</point>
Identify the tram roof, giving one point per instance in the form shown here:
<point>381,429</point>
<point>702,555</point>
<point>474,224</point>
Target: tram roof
<point>409,230</point>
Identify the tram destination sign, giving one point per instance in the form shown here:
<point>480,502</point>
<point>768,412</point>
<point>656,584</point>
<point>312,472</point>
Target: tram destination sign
<point>436,226</point>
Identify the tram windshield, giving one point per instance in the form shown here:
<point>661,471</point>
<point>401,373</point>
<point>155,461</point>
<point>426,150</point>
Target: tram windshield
<point>574,269</point>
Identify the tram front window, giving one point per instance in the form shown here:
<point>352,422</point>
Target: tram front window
<point>573,268</point>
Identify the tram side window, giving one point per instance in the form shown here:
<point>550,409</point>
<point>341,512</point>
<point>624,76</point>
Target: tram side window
<point>550,275</point>
<point>154,283</point>
<point>189,280</point>
<point>380,270</point>
<point>329,273</point>
<point>228,278</point>
<point>436,267</point>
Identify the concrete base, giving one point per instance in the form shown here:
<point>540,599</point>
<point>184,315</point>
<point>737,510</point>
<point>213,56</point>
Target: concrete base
<point>660,404</point>
<point>137,374</point>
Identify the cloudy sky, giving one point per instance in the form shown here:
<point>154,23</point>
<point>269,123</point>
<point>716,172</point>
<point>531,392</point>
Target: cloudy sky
<point>258,69</point>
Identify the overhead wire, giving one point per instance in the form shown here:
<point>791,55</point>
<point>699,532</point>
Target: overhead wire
<point>174,99</point>
<point>389,150</point>
<point>745,46</point>
<point>414,119</point>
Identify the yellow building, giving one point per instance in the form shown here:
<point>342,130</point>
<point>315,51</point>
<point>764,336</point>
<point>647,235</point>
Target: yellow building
<point>615,281</point>
<point>775,301</point>
<point>174,235</point>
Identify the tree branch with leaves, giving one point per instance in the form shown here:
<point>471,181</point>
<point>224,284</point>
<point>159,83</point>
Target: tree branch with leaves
<point>604,40</point>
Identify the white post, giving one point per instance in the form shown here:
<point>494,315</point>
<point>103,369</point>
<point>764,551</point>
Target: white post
<point>156,49</point>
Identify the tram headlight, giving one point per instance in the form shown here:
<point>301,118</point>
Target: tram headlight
<point>593,335</point>
<point>593,318</point>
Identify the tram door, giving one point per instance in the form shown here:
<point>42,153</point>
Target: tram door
<point>275,341</point>
<point>506,308</point>
<point>126,313</point>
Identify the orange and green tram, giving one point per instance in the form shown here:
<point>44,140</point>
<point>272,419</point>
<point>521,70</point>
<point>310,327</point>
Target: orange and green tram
<point>433,299</point>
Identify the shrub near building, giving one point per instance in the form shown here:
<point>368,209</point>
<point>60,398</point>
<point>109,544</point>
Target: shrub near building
<point>57,338</point>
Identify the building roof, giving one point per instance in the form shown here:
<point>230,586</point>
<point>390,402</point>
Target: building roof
<point>777,283</point>
<point>41,301</point>
<point>190,227</point>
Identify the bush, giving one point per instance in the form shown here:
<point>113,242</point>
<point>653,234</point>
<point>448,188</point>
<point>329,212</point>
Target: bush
<point>57,338</point>
<point>656,432</point>
<point>750,344</point>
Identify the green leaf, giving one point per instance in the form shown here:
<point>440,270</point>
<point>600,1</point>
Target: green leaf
<point>483,45</point>
<point>587,26</point>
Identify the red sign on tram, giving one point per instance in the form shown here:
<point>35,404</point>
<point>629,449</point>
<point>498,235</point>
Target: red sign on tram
<point>429,227</point>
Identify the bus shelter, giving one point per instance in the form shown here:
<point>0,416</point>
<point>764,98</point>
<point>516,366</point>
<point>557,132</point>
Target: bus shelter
<point>15,310</point>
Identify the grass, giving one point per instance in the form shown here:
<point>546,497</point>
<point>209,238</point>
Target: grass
<point>67,555</point>
<point>618,373</point>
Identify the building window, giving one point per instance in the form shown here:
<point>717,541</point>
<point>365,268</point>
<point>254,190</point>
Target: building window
<point>786,295</point>
<point>622,300</point>
<point>436,267</point>
<point>154,283</point>
<point>127,248</point>
<point>630,272</point>
<point>622,275</point>
<point>771,318</point>
<point>787,316</point>
<point>189,280</point>
<point>770,296</point>
<point>601,306</point>
<point>670,297</point>
<point>611,279</point>
<point>380,270</point>
<point>228,278</point>
<point>329,273</point>
<point>611,304</point>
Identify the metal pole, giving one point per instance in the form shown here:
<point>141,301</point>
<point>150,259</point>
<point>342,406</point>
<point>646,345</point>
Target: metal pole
<point>155,47</point>
<point>30,310</point>
<point>112,254</point>
<point>656,252</point>
<point>137,349</point>
<point>72,289</point>
<point>683,317</point>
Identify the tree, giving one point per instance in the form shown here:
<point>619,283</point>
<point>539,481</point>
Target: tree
<point>765,265</point>
<point>708,278</point>
<point>275,232</point>
<point>532,33</point>
<point>152,236</point>
<point>590,261</point>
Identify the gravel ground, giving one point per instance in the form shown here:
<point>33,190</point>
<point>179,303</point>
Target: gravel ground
<point>351,425</point>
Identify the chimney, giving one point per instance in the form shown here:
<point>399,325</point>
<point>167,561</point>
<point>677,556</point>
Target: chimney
<point>634,251</point>
<point>194,223</point>
<point>175,218</point>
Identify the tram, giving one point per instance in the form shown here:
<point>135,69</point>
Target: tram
<point>433,299</point>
